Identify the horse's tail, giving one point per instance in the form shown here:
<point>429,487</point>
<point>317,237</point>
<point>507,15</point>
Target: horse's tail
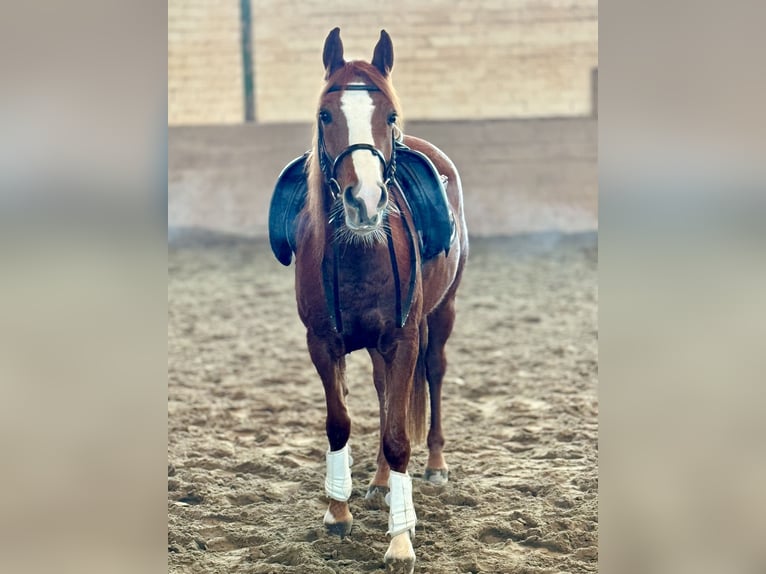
<point>416,421</point>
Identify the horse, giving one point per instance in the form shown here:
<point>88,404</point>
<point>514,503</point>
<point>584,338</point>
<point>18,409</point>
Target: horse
<point>358,248</point>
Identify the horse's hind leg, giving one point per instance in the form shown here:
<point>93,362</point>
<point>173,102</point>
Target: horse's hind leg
<point>330,364</point>
<point>379,484</point>
<point>440,323</point>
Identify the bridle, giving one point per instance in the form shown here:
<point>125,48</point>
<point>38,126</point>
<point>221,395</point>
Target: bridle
<point>329,166</point>
<point>330,271</point>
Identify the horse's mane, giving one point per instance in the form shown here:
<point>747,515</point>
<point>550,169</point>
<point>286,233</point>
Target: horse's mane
<point>350,72</point>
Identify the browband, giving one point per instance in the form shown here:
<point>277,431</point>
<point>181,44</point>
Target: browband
<point>354,88</point>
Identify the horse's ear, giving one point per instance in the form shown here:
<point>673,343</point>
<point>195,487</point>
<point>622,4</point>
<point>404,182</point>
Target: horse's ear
<point>333,53</point>
<point>383,57</point>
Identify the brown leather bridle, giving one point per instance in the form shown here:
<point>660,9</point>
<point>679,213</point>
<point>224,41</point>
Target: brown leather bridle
<point>330,166</point>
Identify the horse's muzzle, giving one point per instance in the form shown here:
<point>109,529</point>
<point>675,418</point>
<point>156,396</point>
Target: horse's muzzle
<point>364,208</point>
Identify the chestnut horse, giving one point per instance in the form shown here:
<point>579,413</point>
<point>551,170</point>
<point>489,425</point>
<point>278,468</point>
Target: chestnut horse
<point>354,257</point>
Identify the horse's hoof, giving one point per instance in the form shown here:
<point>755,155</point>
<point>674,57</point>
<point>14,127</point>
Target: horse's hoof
<point>436,476</point>
<point>400,566</point>
<point>376,496</point>
<point>341,529</point>
<point>400,556</point>
<point>338,527</point>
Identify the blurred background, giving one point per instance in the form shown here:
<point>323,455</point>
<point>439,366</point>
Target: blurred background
<point>507,88</point>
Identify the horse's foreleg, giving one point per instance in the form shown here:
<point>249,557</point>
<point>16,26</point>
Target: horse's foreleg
<point>440,324</point>
<point>331,368</point>
<point>400,367</point>
<point>379,484</point>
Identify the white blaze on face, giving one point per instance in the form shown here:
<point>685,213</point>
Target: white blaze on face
<point>358,107</point>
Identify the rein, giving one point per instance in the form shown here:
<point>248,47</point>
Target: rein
<point>329,167</point>
<point>402,312</point>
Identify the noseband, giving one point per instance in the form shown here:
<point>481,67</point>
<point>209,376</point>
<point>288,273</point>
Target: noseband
<point>330,166</point>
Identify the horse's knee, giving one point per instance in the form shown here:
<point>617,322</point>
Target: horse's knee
<point>397,452</point>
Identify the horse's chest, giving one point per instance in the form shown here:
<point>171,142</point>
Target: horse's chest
<point>355,295</point>
<point>367,299</point>
<point>363,293</point>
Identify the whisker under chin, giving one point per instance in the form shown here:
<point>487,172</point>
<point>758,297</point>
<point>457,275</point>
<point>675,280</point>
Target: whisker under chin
<point>343,234</point>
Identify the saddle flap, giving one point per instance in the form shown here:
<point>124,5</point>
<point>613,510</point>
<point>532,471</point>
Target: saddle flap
<point>426,196</point>
<point>287,201</point>
<point>421,186</point>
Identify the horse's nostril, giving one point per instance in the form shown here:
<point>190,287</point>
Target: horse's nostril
<point>350,198</point>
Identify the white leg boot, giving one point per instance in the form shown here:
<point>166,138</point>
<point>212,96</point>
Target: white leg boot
<point>337,482</point>
<point>337,486</point>
<point>400,556</point>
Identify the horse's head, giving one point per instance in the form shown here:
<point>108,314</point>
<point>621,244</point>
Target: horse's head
<point>356,126</point>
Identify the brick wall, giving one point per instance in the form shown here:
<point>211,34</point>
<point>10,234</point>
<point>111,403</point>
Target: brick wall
<point>455,59</point>
<point>518,175</point>
<point>204,62</point>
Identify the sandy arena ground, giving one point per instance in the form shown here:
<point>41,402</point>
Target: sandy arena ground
<point>246,417</point>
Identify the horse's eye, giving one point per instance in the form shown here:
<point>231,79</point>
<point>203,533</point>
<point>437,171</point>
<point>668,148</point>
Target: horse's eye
<point>392,118</point>
<point>325,117</point>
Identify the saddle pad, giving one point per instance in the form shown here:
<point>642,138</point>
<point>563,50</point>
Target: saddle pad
<point>421,186</point>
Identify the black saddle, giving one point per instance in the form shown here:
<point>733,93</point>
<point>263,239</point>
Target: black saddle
<point>422,190</point>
